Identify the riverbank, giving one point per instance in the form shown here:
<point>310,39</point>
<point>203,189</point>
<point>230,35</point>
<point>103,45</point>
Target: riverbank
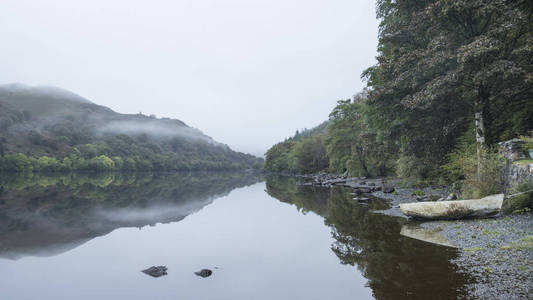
<point>496,251</point>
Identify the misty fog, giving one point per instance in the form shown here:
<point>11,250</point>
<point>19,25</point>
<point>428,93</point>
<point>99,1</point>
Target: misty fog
<point>247,73</point>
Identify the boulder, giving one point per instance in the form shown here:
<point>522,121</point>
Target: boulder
<point>518,201</point>
<point>458,209</point>
<point>451,197</point>
<point>388,190</point>
<point>385,187</point>
<point>156,271</point>
<point>433,198</point>
<point>365,190</point>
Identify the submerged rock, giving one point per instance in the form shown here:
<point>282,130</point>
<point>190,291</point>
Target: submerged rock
<point>156,271</point>
<point>204,273</point>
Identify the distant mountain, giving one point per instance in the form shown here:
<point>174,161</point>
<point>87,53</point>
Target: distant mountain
<point>58,124</point>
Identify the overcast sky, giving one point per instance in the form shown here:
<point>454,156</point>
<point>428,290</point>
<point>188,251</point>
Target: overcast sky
<point>246,72</point>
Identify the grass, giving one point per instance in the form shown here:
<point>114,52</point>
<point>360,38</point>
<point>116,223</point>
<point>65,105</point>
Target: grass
<point>522,244</point>
<point>474,249</point>
<point>419,193</point>
<point>524,162</point>
<point>489,232</point>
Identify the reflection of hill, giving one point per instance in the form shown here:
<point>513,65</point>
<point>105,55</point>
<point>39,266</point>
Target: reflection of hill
<point>396,267</point>
<point>44,216</point>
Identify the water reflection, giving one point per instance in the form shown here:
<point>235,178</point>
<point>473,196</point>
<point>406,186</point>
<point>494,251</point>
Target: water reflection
<point>48,215</point>
<point>396,267</point>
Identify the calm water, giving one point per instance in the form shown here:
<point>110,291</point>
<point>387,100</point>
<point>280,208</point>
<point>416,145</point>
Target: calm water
<point>88,237</point>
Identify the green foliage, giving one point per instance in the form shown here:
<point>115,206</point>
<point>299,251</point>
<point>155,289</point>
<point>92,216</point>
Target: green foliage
<point>277,157</point>
<point>308,155</point>
<point>63,132</point>
<point>305,154</point>
<point>524,186</point>
<point>446,71</point>
<point>478,170</point>
<point>528,142</point>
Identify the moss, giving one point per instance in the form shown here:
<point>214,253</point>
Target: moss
<point>524,162</point>
<point>474,249</point>
<point>515,203</point>
<point>419,193</point>
<point>489,232</point>
<point>525,243</point>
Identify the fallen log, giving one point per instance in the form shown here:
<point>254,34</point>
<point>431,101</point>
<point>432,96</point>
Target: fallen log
<point>458,209</point>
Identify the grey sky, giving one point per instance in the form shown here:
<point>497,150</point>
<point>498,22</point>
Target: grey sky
<point>246,72</point>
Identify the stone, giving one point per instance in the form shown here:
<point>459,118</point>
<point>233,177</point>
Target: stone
<point>365,190</point>
<point>451,197</point>
<point>388,190</point>
<point>433,198</point>
<point>512,150</point>
<point>156,271</point>
<point>457,209</point>
<point>516,202</point>
<point>385,187</point>
<point>204,273</point>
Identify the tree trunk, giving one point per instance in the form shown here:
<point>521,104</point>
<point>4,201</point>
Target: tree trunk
<point>362,161</point>
<point>479,107</point>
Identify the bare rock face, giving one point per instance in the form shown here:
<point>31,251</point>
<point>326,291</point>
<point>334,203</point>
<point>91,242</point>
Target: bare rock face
<point>156,271</point>
<point>512,150</point>
<point>459,209</point>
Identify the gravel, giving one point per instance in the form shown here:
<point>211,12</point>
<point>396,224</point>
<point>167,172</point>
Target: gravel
<point>497,251</point>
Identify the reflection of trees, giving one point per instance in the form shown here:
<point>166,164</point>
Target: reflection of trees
<point>306,198</point>
<point>396,267</point>
<point>39,211</point>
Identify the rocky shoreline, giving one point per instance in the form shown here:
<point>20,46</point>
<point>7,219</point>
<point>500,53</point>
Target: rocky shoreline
<point>496,251</point>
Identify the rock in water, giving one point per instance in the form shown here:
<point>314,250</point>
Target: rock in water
<point>204,273</point>
<point>388,190</point>
<point>156,271</point>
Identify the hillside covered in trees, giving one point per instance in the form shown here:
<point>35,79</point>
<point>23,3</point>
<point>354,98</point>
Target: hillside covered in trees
<point>452,79</point>
<point>50,129</point>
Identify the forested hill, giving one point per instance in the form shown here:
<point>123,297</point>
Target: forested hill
<point>51,129</point>
<point>452,79</point>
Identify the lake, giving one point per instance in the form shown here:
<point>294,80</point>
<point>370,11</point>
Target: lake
<point>83,236</point>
